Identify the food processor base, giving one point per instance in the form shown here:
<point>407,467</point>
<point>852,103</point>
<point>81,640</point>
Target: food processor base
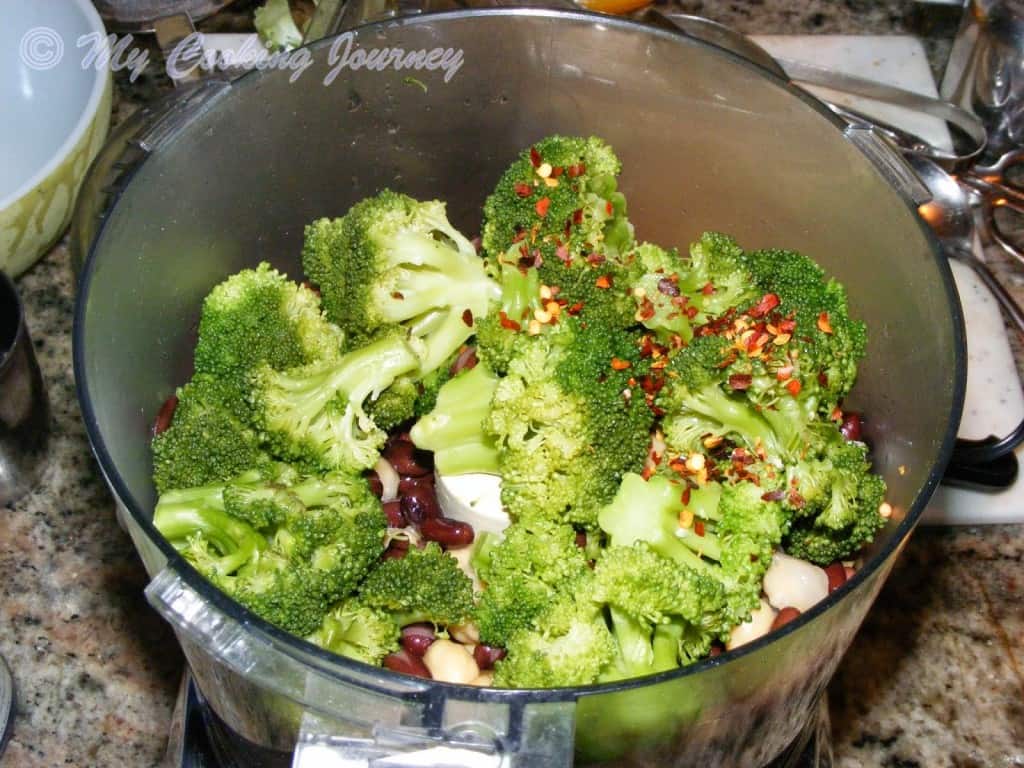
<point>200,739</point>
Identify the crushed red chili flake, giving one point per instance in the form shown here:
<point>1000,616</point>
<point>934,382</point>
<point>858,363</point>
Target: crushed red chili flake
<point>778,495</point>
<point>741,381</point>
<point>646,346</point>
<point>794,387</point>
<point>595,259</point>
<point>542,206</point>
<point>823,378</point>
<point>519,236</point>
<point>577,216</point>
<point>507,322</point>
<point>658,412</point>
<point>767,303</point>
<point>686,496</point>
<point>397,295</point>
<point>708,289</point>
<point>577,170</point>
<point>535,157</point>
<point>646,310</point>
<point>796,500</point>
<point>604,281</point>
<point>523,190</point>
<point>691,312</point>
<point>668,287</point>
<point>652,385</point>
<point>562,252</point>
<point>620,365</point>
<point>575,308</point>
<point>609,208</point>
<point>557,171</point>
<point>824,324</point>
<point>467,317</point>
<point>647,471</point>
<point>787,326</point>
<point>698,527</point>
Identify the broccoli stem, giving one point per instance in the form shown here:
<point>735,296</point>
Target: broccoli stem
<point>236,541</point>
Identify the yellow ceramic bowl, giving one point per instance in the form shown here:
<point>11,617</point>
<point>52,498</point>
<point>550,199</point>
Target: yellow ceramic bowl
<point>56,94</point>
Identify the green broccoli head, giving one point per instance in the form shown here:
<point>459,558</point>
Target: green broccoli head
<point>393,261</point>
<point>522,573</point>
<point>354,630</point>
<point>206,441</point>
<point>567,423</point>
<point>568,644</point>
<point>425,585</point>
<point>315,414</point>
<point>559,201</point>
<point>257,316</point>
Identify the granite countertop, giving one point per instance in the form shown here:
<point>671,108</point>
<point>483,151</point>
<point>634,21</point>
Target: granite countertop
<point>933,679</point>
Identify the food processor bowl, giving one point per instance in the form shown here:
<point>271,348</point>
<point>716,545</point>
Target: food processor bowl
<point>708,141</point>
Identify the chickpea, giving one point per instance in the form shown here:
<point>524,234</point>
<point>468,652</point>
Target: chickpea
<point>450,662</point>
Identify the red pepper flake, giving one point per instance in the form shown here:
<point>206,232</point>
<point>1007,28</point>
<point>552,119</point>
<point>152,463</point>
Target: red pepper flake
<point>647,471</point>
<point>562,252</point>
<point>575,308</point>
<point>778,495</point>
<point>708,288</point>
<point>686,496</point>
<point>535,157</point>
<point>646,310</point>
<point>557,171</point>
<point>767,303</point>
<point>794,386</point>
<point>508,323</point>
<point>658,412</point>
<point>677,465</point>
<point>608,208</point>
<point>646,346</point>
<point>741,381</point>
<point>467,317</point>
<point>698,527</point>
<point>595,259</point>
<point>823,378</point>
<point>691,312</point>
<point>577,170</point>
<point>604,281</point>
<point>519,236</point>
<point>824,325</point>
<point>397,295</point>
<point>787,326</point>
<point>620,365</point>
<point>577,216</point>
<point>796,500</point>
<point>523,190</point>
<point>542,206</point>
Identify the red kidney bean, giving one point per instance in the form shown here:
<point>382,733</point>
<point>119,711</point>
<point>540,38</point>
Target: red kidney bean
<point>716,650</point>
<point>465,361</point>
<point>415,485</point>
<point>416,638</point>
<point>485,656</point>
<point>448,532</point>
<point>836,576</point>
<point>396,550</point>
<point>849,572</point>
<point>851,426</point>
<point>393,510</point>
<point>784,616</point>
<point>375,484</point>
<point>407,460</point>
<point>477,242</point>
<point>420,505</point>
<point>404,662</point>
<point>165,415</point>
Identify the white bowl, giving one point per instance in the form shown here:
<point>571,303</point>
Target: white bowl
<point>55,118</point>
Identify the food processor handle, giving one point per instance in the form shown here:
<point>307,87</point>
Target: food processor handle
<point>355,715</point>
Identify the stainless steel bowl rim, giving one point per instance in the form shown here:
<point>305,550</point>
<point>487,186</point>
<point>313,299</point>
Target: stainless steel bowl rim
<point>287,643</point>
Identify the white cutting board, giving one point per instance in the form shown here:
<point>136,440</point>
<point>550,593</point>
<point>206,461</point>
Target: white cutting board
<point>994,402</point>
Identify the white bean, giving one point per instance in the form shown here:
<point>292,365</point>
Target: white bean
<point>760,624</point>
<point>790,582</point>
<point>388,480</point>
<point>450,662</point>
<point>467,634</point>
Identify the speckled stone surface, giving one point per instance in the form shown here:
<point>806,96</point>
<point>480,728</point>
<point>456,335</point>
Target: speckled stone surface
<point>933,679</point>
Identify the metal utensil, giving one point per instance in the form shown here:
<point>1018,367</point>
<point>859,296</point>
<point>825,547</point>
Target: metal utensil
<point>995,187</point>
<point>6,704</point>
<point>988,463</point>
<point>24,408</point>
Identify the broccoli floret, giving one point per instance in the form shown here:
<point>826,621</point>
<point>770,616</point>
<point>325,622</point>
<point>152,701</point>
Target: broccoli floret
<point>425,585</point>
<point>206,442</point>
<point>354,630</point>
<point>315,414</point>
<point>568,644</point>
<point>454,429</point>
<point>835,498</point>
<point>393,261</point>
<point>522,573</point>
<point>733,544</point>
<point>566,422</point>
<point>276,26</point>
<point>497,333</point>
<point>558,201</point>
<point>258,316</point>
